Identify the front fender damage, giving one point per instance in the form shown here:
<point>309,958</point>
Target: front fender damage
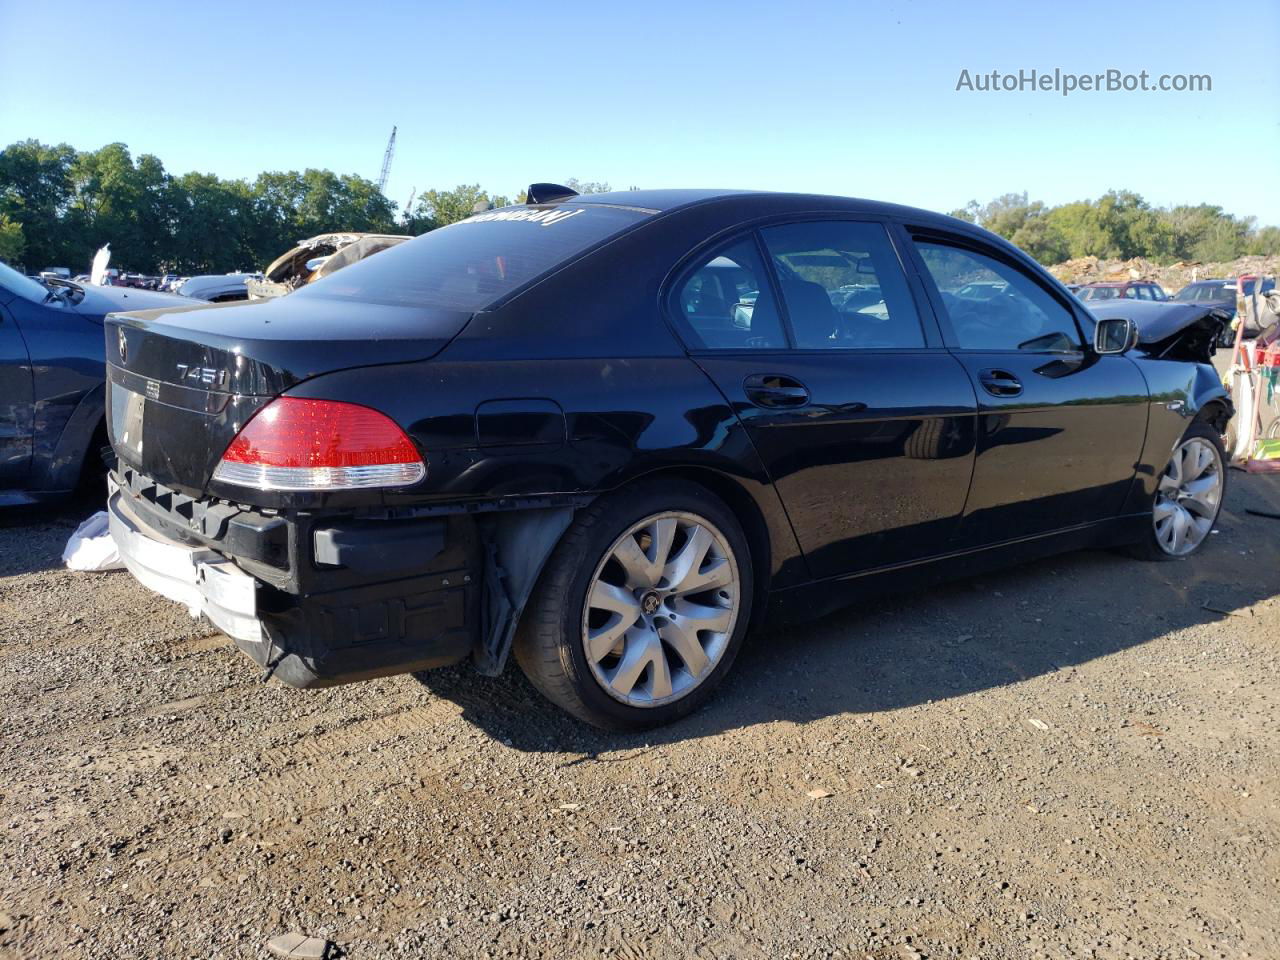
<point>1169,330</point>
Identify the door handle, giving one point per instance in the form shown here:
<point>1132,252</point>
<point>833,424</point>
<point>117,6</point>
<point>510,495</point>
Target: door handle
<point>775,390</point>
<point>1000,383</point>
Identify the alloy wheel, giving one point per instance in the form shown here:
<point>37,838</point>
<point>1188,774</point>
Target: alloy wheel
<point>1189,496</point>
<point>660,609</point>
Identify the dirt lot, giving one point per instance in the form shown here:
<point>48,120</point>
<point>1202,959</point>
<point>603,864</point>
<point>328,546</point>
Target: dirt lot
<point>1074,759</point>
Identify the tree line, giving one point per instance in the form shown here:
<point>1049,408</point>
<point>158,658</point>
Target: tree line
<point>1121,225</point>
<point>58,205</point>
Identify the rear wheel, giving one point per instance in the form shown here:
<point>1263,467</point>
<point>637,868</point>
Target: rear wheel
<point>1188,497</point>
<point>641,609</point>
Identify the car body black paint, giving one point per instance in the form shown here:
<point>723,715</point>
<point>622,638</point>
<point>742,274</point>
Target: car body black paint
<point>898,467</point>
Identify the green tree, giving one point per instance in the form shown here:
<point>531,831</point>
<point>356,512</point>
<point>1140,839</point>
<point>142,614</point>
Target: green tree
<point>35,187</point>
<point>1222,240</point>
<point>1078,225</point>
<point>439,208</point>
<point>131,205</point>
<point>1025,223</point>
<point>1264,241</point>
<point>12,241</point>
<point>1120,225</point>
<point>587,186</point>
<point>215,226</point>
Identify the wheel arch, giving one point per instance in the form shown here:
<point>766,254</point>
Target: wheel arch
<point>519,544</point>
<point>1216,412</point>
<point>59,464</point>
<point>730,491</point>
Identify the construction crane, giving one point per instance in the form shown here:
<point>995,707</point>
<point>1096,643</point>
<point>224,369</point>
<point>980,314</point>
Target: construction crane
<point>386,161</point>
<point>408,207</point>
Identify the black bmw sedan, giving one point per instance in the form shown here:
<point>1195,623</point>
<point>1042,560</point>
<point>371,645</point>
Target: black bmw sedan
<point>609,433</point>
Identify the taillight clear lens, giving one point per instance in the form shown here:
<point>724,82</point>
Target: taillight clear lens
<point>299,444</point>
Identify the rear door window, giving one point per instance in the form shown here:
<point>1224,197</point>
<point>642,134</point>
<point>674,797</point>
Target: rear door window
<point>842,286</point>
<point>726,303</point>
<point>472,264</point>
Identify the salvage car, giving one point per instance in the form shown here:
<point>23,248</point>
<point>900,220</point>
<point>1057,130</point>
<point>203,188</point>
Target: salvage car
<point>1122,290</point>
<point>609,433</point>
<point>1228,295</point>
<point>217,287</point>
<point>52,377</point>
<point>318,257</point>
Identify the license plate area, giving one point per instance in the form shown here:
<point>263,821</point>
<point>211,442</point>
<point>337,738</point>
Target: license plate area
<point>128,410</point>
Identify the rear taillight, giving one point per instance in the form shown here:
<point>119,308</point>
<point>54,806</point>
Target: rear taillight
<point>299,444</point>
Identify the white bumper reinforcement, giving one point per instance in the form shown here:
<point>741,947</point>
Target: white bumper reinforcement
<point>202,580</point>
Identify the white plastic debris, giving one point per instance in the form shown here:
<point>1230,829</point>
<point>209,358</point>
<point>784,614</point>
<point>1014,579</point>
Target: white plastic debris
<point>98,272</point>
<point>91,547</point>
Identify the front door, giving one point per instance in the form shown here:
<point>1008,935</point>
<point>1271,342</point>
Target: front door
<point>1060,428</point>
<point>16,400</point>
<point>865,426</point>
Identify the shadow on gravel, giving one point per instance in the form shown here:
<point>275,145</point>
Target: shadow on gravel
<point>908,650</point>
<point>32,537</point>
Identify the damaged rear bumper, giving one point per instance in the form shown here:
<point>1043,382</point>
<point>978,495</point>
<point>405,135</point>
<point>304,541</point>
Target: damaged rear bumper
<point>372,622</point>
<point>203,581</point>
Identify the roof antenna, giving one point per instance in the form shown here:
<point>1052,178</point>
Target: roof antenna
<point>548,193</point>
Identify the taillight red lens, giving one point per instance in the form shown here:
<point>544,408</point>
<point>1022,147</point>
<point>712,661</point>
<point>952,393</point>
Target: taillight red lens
<point>299,444</point>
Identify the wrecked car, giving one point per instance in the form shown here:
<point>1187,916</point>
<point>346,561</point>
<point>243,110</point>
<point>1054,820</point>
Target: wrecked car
<point>1103,290</point>
<point>1230,295</point>
<point>217,287</point>
<point>614,481</point>
<point>318,257</point>
<point>1171,330</point>
<point>52,377</point>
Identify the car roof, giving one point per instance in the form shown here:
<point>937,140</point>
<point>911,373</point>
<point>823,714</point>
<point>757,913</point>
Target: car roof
<point>663,201</point>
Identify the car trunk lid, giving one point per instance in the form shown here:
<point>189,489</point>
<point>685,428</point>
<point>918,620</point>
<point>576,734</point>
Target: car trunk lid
<point>183,382</point>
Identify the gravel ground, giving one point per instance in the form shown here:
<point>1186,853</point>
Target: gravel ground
<point>1073,759</point>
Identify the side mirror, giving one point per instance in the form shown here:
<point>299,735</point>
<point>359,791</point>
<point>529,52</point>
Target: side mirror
<point>1114,335</point>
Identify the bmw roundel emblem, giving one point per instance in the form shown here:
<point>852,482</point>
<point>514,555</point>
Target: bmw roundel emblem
<point>124,344</point>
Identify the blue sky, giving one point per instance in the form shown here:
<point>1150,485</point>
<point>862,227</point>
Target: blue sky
<point>847,98</point>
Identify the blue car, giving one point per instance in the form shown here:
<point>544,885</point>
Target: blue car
<point>52,376</point>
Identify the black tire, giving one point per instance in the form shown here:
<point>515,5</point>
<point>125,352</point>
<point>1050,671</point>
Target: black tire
<point>95,465</point>
<point>1149,548</point>
<point>549,645</point>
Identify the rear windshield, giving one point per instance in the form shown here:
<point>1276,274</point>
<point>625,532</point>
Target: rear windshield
<point>473,263</point>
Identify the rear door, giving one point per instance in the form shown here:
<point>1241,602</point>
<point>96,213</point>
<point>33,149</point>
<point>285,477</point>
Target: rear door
<point>863,420</point>
<point>1060,428</point>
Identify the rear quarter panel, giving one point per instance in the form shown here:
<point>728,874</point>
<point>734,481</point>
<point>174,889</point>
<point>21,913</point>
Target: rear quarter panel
<point>619,419</point>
